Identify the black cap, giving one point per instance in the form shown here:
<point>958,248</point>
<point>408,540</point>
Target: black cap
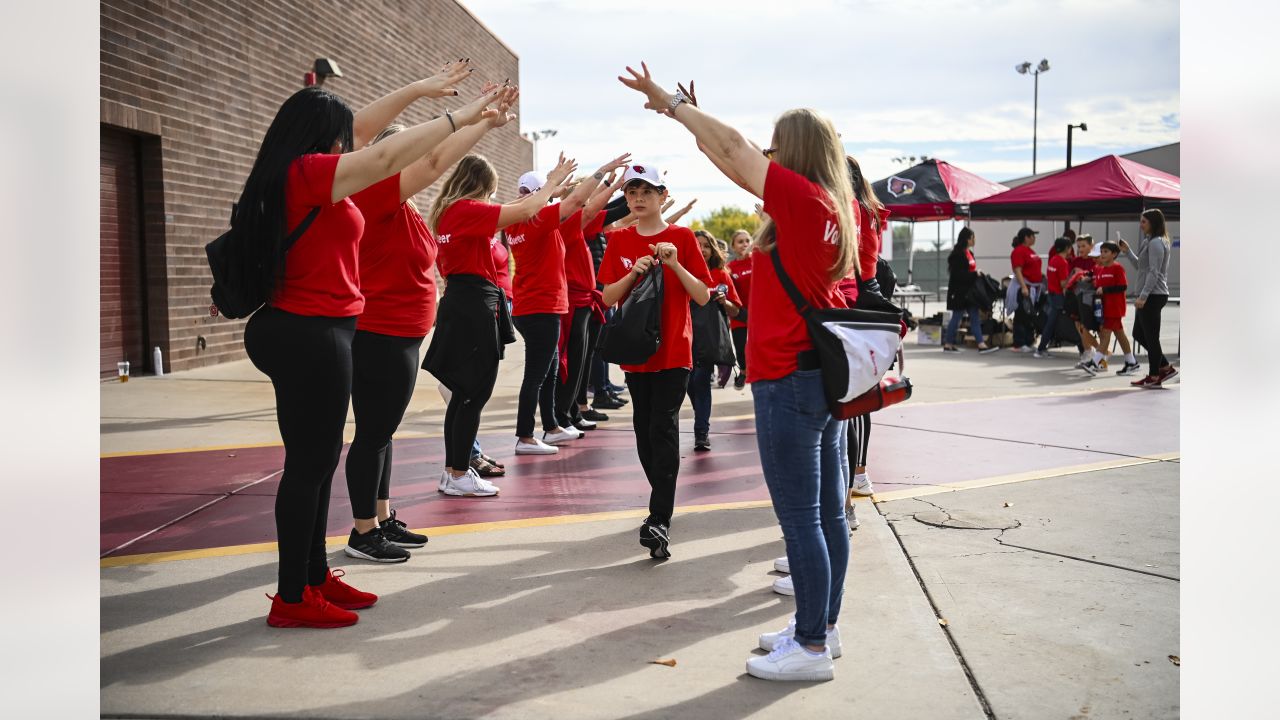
<point>1025,232</point>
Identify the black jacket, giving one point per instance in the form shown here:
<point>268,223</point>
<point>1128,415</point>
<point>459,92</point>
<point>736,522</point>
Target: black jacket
<point>473,326</point>
<point>960,282</point>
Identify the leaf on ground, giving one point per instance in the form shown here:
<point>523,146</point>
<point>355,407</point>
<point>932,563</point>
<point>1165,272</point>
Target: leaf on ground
<point>1008,504</point>
<point>669,662</point>
<point>943,622</point>
<point>1175,660</point>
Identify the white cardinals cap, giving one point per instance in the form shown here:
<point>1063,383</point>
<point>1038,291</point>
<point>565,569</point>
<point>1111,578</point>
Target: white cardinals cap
<point>531,181</point>
<point>1096,251</point>
<point>647,173</point>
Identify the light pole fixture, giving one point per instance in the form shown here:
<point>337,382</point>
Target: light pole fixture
<point>323,68</point>
<point>534,136</point>
<point>1034,70</point>
<point>1084,127</point>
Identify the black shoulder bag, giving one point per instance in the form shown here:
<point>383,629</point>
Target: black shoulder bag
<point>853,347</point>
<point>235,295</point>
<point>634,333</point>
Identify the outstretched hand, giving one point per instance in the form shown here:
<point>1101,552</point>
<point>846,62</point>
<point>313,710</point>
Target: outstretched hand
<point>656,98</point>
<point>442,83</point>
<point>561,172</point>
<point>507,96</point>
<point>614,164</point>
<point>478,109</point>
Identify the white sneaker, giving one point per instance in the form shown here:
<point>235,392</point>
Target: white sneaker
<point>469,485</point>
<point>784,586</point>
<point>770,640</point>
<point>537,447</point>
<point>561,435</point>
<point>782,565</point>
<point>444,477</point>
<point>789,661</point>
<point>1026,349</point>
<point>861,485</point>
<point>851,518</point>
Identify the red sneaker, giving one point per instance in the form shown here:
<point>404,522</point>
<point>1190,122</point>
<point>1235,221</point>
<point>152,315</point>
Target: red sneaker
<point>343,595</point>
<point>1167,374</point>
<point>1146,381</point>
<point>314,612</point>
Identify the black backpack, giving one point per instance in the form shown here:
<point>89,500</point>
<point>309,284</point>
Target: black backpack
<point>635,330</point>
<point>236,294</point>
<point>712,340</point>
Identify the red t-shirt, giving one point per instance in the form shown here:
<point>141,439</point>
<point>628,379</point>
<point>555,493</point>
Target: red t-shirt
<point>397,264</point>
<point>463,234</point>
<point>628,245</point>
<point>1058,270</point>
<point>501,263</point>
<point>740,272</point>
<point>539,280</point>
<point>579,271</point>
<point>1027,259</point>
<point>973,264</point>
<point>807,237</point>
<point>1113,275</point>
<point>321,270</point>
<point>869,243</point>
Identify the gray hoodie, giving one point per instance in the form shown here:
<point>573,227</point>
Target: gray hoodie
<point>1152,263</point>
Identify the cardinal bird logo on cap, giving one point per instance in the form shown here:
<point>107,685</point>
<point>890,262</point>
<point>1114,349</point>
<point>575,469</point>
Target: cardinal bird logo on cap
<point>901,186</point>
<point>638,168</point>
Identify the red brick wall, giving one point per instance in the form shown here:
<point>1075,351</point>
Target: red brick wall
<point>207,77</point>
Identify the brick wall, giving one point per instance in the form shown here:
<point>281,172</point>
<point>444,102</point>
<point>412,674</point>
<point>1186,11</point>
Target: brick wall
<point>202,79</point>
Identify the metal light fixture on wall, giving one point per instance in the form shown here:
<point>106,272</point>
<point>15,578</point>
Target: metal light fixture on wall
<point>1084,127</point>
<point>323,68</point>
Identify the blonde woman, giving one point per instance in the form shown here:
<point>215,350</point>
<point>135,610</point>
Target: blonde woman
<point>813,228</point>
<point>473,322</point>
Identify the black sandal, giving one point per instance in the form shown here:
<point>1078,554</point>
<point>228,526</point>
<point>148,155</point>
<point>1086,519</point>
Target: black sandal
<point>484,469</point>
<point>492,462</point>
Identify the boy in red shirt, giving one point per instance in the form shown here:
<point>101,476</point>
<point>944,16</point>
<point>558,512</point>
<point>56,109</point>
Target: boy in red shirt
<point>1111,281</point>
<point>658,385</point>
<point>1055,281</point>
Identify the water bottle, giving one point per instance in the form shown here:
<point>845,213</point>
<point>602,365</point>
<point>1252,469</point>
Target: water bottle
<point>158,361</point>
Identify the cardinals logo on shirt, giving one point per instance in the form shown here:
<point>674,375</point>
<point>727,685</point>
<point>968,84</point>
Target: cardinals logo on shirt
<point>627,263</point>
<point>901,186</point>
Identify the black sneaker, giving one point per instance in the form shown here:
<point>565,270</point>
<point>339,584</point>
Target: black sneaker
<point>740,381</point>
<point>584,425</point>
<point>656,539</point>
<point>605,401</point>
<point>594,415</point>
<point>397,533</point>
<point>1129,368</point>
<point>701,442</point>
<point>373,546</point>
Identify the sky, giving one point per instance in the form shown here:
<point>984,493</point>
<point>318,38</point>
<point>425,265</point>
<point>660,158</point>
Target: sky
<point>898,78</point>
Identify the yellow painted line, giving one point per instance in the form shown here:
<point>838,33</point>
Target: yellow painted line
<point>1020,477</point>
<point>228,551</point>
<point>174,451</point>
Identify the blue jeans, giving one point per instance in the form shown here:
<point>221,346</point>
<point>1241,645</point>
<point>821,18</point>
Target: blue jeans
<point>805,462</point>
<point>1053,308</point>
<point>700,396</point>
<point>953,327</point>
<point>475,449</point>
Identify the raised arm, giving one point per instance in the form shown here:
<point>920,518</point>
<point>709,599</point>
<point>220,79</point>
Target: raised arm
<point>362,168</point>
<point>529,205</point>
<point>426,170</point>
<point>599,198</point>
<point>673,217</point>
<point>721,140</point>
<point>583,191</point>
<point>382,112</point>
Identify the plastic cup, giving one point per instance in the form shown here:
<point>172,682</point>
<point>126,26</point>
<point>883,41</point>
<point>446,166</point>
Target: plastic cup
<point>123,369</point>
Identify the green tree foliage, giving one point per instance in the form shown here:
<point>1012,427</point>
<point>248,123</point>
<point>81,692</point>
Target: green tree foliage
<point>901,240</point>
<point>724,221</point>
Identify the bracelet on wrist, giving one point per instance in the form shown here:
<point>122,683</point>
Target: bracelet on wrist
<point>453,127</point>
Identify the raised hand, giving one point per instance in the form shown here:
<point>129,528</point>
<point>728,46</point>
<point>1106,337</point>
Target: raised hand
<point>478,109</point>
<point>506,98</point>
<point>656,98</point>
<point>614,164</point>
<point>442,83</point>
<point>561,172</point>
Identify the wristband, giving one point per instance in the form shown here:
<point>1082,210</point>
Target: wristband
<point>452,126</point>
<point>676,99</point>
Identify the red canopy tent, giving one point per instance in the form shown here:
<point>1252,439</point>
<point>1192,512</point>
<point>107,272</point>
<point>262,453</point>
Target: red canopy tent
<point>932,190</point>
<point>1109,188</point>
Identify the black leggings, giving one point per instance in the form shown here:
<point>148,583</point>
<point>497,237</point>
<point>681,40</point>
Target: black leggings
<point>740,346</point>
<point>309,362</point>
<point>541,333</point>
<point>385,371</point>
<point>859,440</point>
<point>1146,331</point>
<point>593,337</point>
<point>462,422</point>
<point>567,392</point>
<point>656,398</point>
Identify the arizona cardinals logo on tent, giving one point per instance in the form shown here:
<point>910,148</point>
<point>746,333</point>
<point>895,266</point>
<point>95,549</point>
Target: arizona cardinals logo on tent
<point>901,186</point>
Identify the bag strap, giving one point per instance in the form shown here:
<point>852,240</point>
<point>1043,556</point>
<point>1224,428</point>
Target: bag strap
<point>302,227</point>
<point>802,306</point>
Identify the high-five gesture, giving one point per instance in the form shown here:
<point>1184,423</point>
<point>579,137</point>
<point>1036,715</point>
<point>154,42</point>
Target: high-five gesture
<point>614,164</point>
<point>561,172</point>
<point>442,83</point>
<point>478,109</point>
<point>656,98</point>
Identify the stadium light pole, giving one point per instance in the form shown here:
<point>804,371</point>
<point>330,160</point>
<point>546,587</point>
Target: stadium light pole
<point>534,136</point>
<point>1084,127</point>
<point>1034,70</point>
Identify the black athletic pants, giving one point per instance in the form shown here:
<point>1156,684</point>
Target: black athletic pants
<point>385,369</point>
<point>541,333</point>
<point>567,392</point>
<point>309,362</point>
<point>655,405</point>
<point>462,423</point>
<point>740,347</point>
<point>593,337</point>
<point>1146,331</point>
<point>859,440</point>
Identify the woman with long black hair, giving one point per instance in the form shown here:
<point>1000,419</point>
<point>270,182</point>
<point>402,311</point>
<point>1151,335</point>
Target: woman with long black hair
<point>1152,264</point>
<point>962,277</point>
<point>302,337</point>
<point>813,231</point>
<point>397,279</point>
<point>473,323</point>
